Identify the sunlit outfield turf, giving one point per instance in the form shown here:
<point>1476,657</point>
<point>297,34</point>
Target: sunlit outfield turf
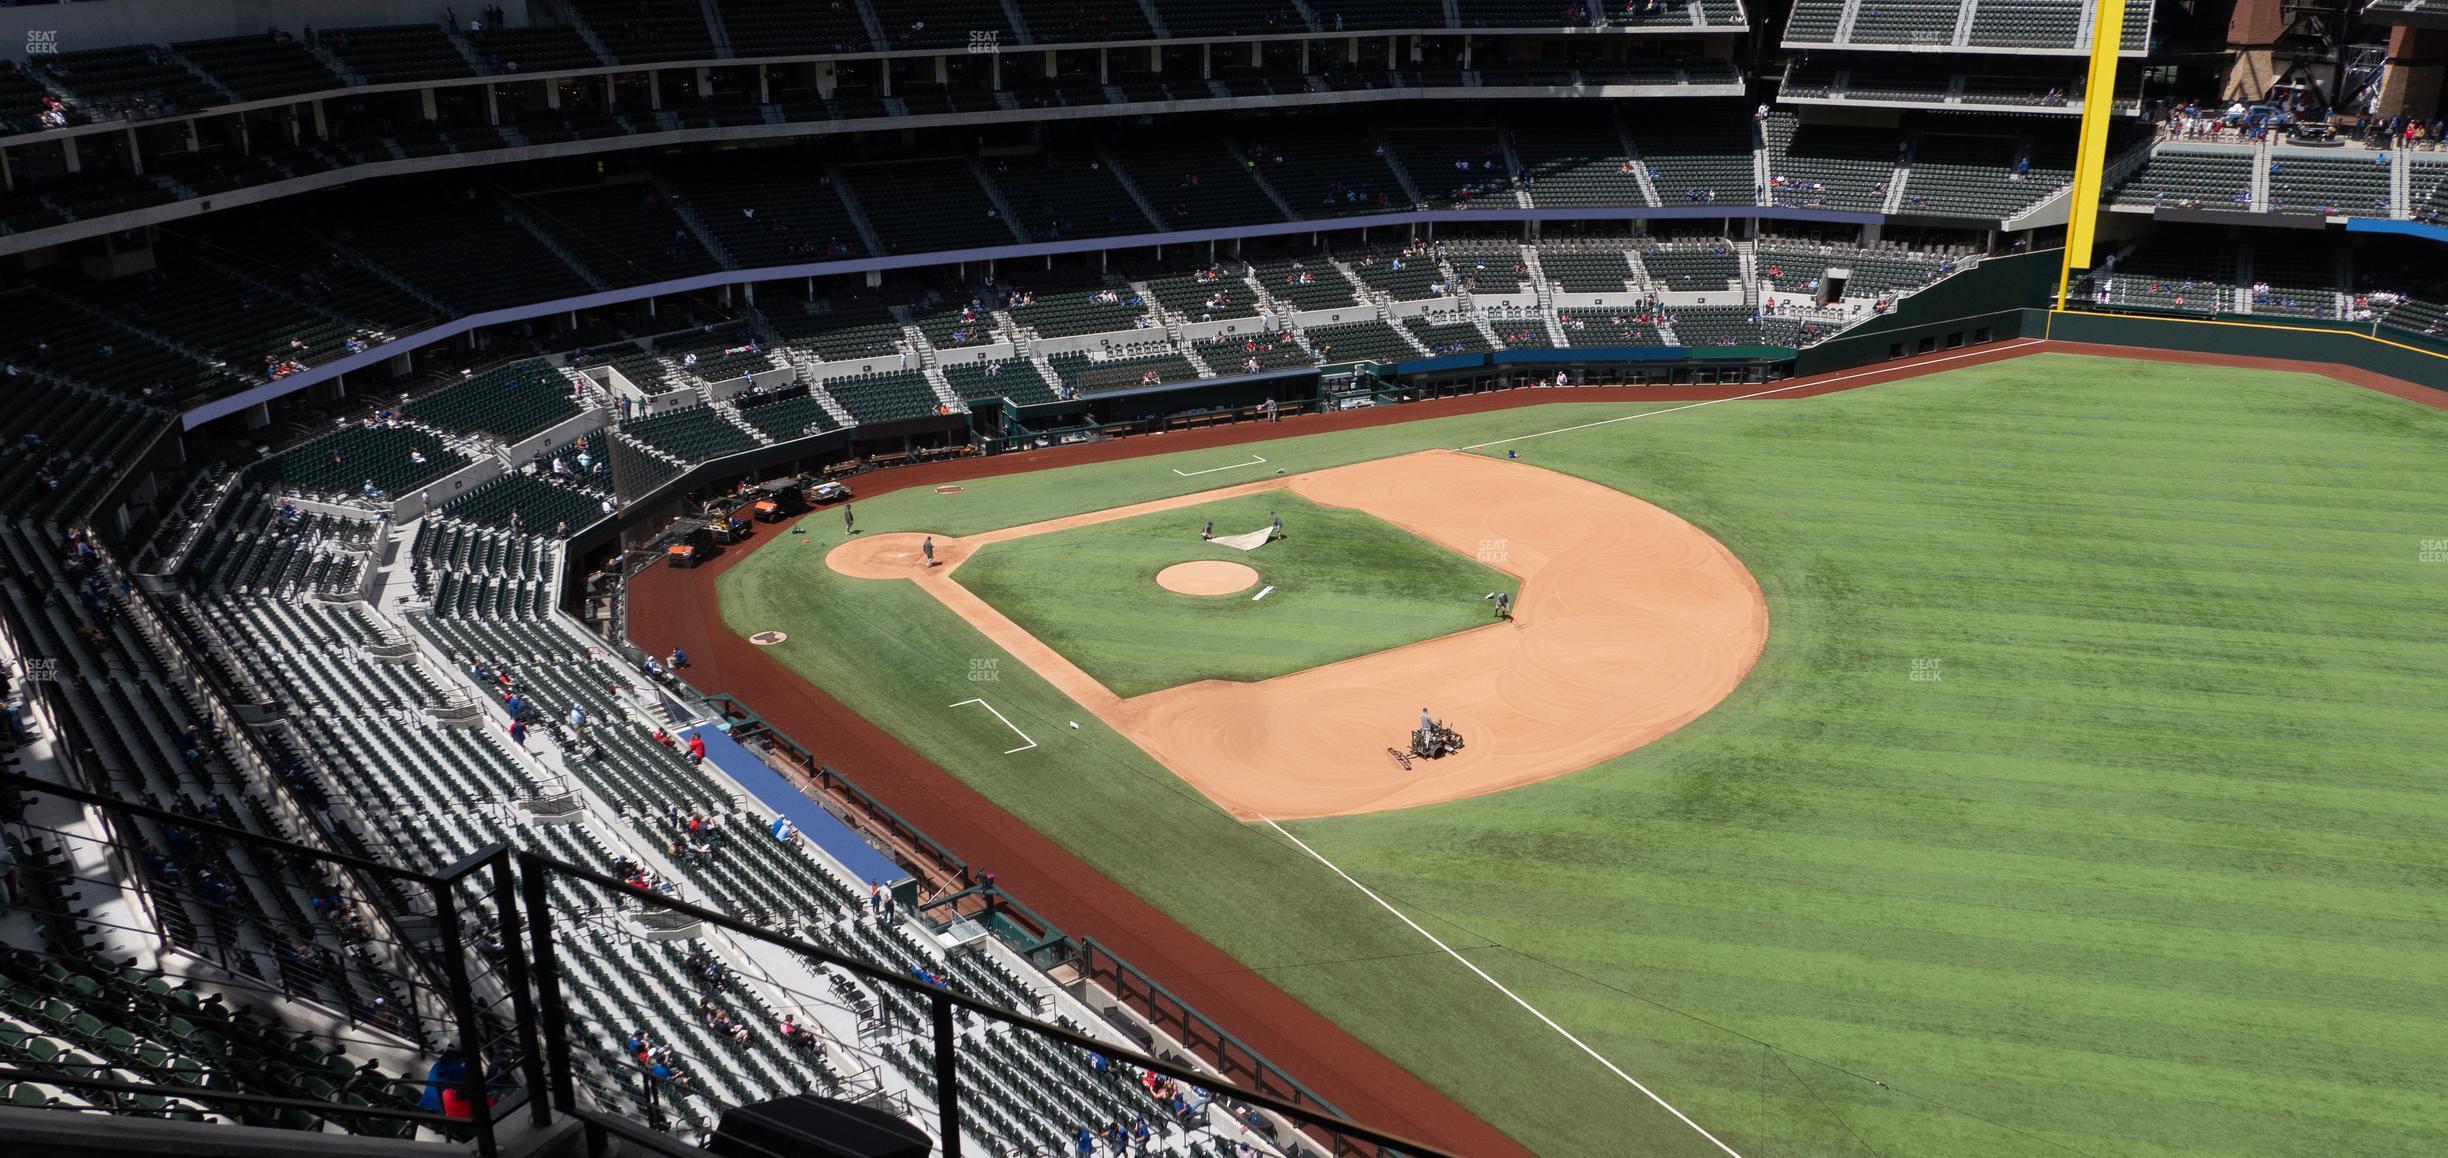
<point>2087,800</point>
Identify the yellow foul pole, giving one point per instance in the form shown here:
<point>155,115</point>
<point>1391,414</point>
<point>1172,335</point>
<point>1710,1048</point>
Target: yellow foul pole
<point>2091,157</point>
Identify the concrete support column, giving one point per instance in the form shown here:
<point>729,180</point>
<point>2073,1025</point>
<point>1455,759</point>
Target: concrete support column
<point>1155,59</point>
<point>1101,66</point>
<point>1304,58</point>
<point>322,127</point>
<point>943,69</point>
<point>607,83</point>
<point>492,105</point>
<point>654,91</point>
<point>764,86</point>
<point>1206,62</point>
<point>994,71</point>
<point>552,94</point>
<point>1466,54</point>
<point>135,154</point>
<point>425,104</point>
<point>8,176</point>
<point>69,157</point>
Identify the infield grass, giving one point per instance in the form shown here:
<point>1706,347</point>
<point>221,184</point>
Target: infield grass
<point>2147,862</point>
<point>1345,584</point>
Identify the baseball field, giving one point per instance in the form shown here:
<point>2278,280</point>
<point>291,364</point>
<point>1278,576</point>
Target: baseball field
<point>2073,783</point>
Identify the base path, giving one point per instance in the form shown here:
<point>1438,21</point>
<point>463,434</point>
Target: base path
<point>1630,623</point>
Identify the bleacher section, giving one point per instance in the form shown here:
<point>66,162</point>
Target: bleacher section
<point>1194,183</point>
<point>1975,176</point>
<point>1056,196</point>
<point>2188,271</point>
<point>794,412</point>
<point>1309,285</point>
<point>1700,267</point>
<point>1085,375</point>
<point>638,33</point>
<point>398,52</point>
<point>529,502</point>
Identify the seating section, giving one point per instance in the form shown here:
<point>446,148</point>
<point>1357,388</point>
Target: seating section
<point>1593,271</point>
<point>1399,277</point>
<point>1325,173</point>
<point>521,501</point>
<point>1199,18</point>
<point>792,27</point>
<point>134,80</point>
<point>2027,24</point>
<point>1057,315</point>
<point>1608,328</point>
<point>1073,22</point>
<point>1705,267</point>
<point>2294,277</point>
<point>1828,166</point>
<point>1195,183</point>
<point>536,48</point>
<point>1208,296</point>
<point>1975,176</point>
<point>1569,165</point>
<point>1016,379</point>
<point>2355,185</point>
<point>1697,154</point>
<point>1906,21</point>
<point>623,234</point>
<point>1447,337</point>
<point>1455,168</point>
<point>394,458</point>
<point>1814,21</point>
<point>912,24</point>
<point>517,269</point>
<point>917,206</point>
<point>1057,195</point>
<point>793,412</point>
<point>1717,326</point>
<point>1308,285</point>
<point>885,396</point>
<point>848,332</point>
<point>2175,178</point>
<point>1250,353</point>
<point>763,220</point>
<point>1087,375</point>
<point>1360,341</point>
<point>638,33</point>
<point>510,401</point>
<point>2187,271</point>
<point>690,434</point>
<point>400,52</point>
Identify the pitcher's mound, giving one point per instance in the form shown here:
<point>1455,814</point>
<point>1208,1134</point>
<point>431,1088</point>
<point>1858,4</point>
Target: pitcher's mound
<point>1207,577</point>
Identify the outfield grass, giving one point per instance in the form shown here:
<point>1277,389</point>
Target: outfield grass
<point>1345,584</point>
<point>2152,866</point>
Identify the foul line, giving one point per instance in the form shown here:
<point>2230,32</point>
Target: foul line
<point>1500,987</point>
<point>1254,461</point>
<point>1006,723</point>
<point>1888,369</point>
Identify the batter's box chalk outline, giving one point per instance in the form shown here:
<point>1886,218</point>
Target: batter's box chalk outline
<point>1255,460</point>
<point>1006,723</point>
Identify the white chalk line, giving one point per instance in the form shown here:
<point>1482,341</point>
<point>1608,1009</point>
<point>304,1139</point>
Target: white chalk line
<point>1006,723</point>
<point>1888,369</point>
<point>1500,987</point>
<point>1262,593</point>
<point>1255,460</point>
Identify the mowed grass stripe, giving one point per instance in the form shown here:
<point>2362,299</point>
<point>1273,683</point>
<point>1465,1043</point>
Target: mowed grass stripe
<point>2151,869</point>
